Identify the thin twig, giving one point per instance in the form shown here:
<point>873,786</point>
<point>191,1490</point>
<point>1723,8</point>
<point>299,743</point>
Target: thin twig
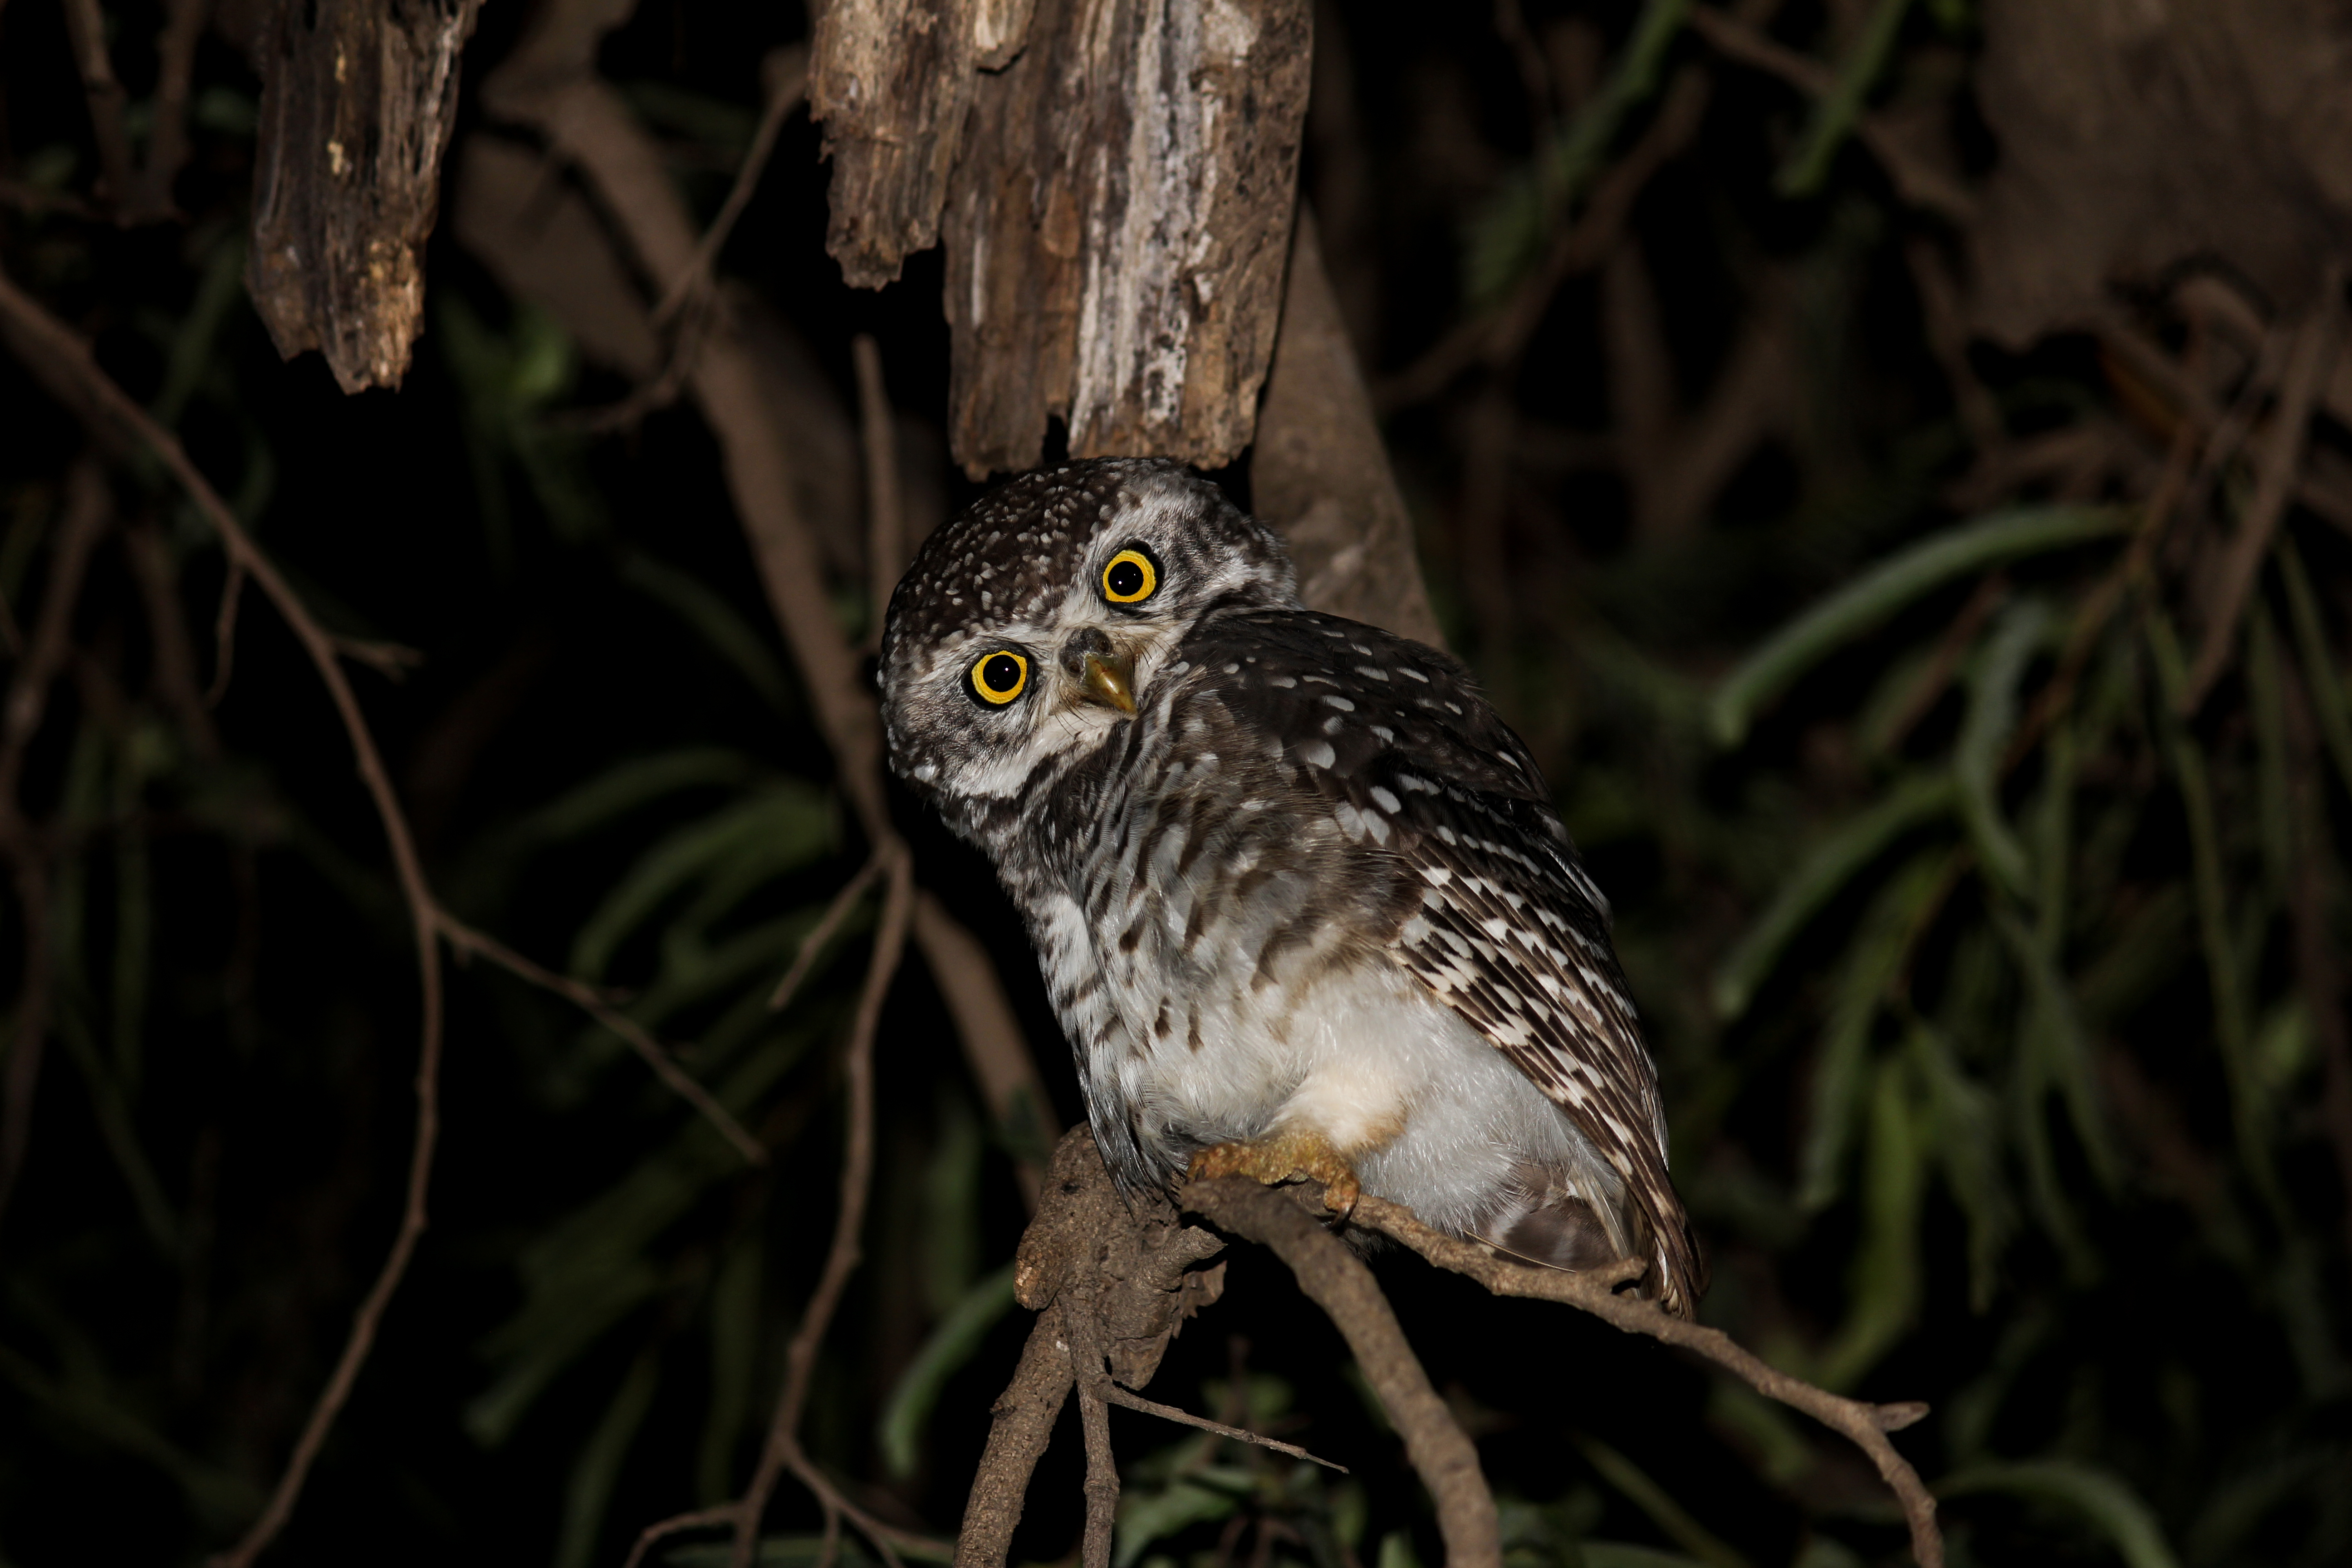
<point>150,200</point>
<point>89,510</point>
<point>586,122</point>
<point>661,389</point>
<point>1867,1424</point>
<point>1918,183</point>
<point>885,550</point>
<point>1929,686</point>
<point>783,1449</point>
<point>466,939</point>
<point>2318,974</point>
<point>785,74</point>
<point>390,659</point>
<point>1496,337</point>
<point>1120,1396</point>
<point>676,1524</point>
<point>86,31</point>
<point>822,932</point>
<point>58,357</point>
<point>1102,1476</point>
<point>224,633</point>
<point>36,199</point>
<point>995,1047</point>
<point>2281,457</point>
<point>175,650</point>
<point>2106,597</point>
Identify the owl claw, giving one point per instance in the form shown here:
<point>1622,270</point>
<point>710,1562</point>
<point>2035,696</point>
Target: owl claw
<point>1285,1157</point>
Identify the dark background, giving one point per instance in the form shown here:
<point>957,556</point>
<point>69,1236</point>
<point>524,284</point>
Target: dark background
<point>2029,1162</point>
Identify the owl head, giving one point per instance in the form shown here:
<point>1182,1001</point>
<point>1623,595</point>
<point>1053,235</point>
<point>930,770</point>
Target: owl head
<point>1030,627</point>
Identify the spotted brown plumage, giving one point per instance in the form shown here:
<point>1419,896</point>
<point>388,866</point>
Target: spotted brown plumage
<point>1296,891</point>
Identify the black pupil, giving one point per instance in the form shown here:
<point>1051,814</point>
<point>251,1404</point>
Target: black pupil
<point>1126,579</point>
<point>1001,674</point>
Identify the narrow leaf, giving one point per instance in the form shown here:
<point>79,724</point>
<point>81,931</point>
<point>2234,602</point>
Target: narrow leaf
<point>1984,738</point>
<point>1835,114</point>
<point>951,1345</point>
<point>2100,1498</point>
<point>1833,864</point>
<point>1878,593</point>
<point>2317,659</point>
<point>1872,960</point>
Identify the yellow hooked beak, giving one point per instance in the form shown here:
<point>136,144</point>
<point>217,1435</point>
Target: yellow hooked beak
<point>1109,680</point>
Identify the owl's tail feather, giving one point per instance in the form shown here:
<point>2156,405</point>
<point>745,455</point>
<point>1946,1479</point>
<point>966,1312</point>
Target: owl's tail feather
<point>1562,1233</point>
<point>1561,1230</point>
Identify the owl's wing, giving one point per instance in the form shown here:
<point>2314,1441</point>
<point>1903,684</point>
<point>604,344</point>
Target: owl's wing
<point>1495,915</point>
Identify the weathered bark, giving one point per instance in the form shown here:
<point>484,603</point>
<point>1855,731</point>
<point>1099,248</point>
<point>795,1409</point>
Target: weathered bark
<point>1117,229</point>
<point>1320,473</point>
<point>999,30</point>
<point>357,103</point>
<point>891,79</point>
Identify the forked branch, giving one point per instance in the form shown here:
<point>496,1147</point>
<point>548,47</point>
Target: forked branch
<point>1070,1260</point>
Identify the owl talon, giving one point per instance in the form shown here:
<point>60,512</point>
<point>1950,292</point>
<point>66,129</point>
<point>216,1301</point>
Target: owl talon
<point>1287,1157</point>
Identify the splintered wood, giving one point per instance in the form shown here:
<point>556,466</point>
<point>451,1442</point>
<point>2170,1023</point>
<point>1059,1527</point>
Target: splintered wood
<point>1115,201</point>
<point>357,103</point>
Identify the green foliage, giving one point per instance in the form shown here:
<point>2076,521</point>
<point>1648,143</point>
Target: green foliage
<point>1997,986</point>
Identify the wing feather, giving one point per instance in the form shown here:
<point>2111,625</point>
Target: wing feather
<point>1494,913</point>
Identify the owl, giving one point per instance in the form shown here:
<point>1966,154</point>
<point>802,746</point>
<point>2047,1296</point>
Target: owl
<point>1301,900</point>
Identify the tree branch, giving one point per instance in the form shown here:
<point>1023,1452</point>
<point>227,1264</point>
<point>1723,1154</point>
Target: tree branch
<point>1337,1280</point>
<point>784,73</point>
<point>2276,468</point>
<point>466,939</point>
<point>86,30</point>
<point>61,360</point>
<point>1596,1292</point>
<point>784,1444</point>
<point>89,510</point>
<point>1017,1438</point>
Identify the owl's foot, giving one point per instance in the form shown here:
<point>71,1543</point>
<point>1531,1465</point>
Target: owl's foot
<point>1281,1158</point>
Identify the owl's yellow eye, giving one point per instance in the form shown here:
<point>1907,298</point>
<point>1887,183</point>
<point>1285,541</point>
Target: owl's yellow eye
<point>1130,578</point>
<point>998,678</point>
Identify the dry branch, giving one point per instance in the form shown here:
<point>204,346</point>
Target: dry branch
<point>2316,343</point>
<point>167,144</point>
<point>1498,337</point>
<point>1596,1292</point>
<point>827,926</point>
<point>1337,1280</point>
<point>466,939</point>
<point>549,83</point>
<point>1022,1427</point>
<point>886,519</point>
<point>86,30</point>
<point>88,511</point>
<point>785,75</point>
<point>1917,180</point>
<point>783,1449</point>
<point>1111,1284</point>
<point>62,361</point>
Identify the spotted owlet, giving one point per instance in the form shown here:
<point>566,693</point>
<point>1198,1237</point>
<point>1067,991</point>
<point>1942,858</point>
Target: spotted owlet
<point>1301,899</point>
